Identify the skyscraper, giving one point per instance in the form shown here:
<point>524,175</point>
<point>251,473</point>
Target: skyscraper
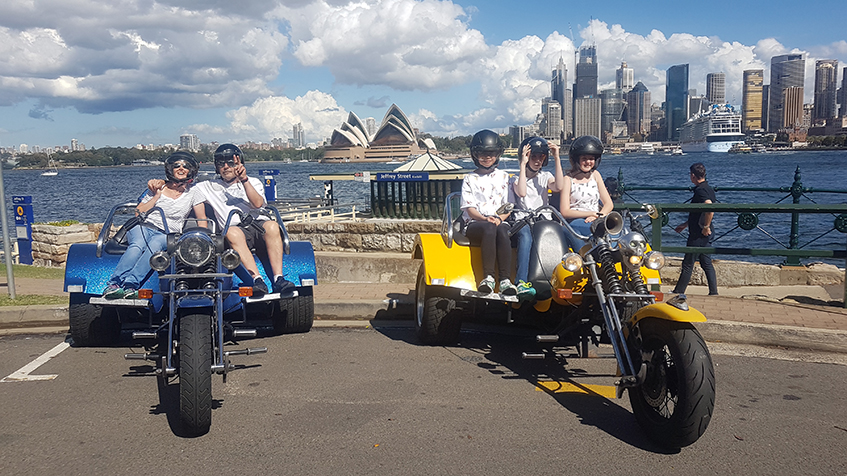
<point>716,88</point>
<point>676,99</point>
<point>553,116</point>
<point>786,71</point>
<point>826,84</point>
<point>189,142</point>
<point>298,135</point>
<point>561,94</point>
<point>612,104</point>
<point>638,110</point>
<point>751,100</point>
<point>586,116</point>
<point>843,93</point>
<point>792,107</point>
<point>586,73</point>
<point>624,78</point>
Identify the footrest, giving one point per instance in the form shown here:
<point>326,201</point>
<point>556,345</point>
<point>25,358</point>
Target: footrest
<point>119,302</point>
<point>271,297</point>
<point>533,355</point>
<point>489,296</point>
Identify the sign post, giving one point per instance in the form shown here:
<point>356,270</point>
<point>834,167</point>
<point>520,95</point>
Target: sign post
<point>270,184</point>
<point>23,226</point>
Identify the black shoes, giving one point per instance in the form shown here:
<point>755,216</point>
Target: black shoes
<point>259,287</point>
<point>283,286</point>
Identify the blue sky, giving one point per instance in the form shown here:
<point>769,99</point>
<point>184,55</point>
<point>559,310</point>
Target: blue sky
<point>145,71</point>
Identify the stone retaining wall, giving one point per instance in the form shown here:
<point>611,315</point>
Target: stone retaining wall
<point>393,236</point>
<point>50,243</point>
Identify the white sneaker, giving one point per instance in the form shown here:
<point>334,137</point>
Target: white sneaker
<point>486,285</point>
<point>507,288</point>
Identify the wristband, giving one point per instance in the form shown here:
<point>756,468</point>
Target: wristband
<point>245,180</point>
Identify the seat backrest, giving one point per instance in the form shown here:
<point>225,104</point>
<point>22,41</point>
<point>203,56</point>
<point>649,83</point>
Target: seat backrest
<point>458,237</point>
<point>548,246</point>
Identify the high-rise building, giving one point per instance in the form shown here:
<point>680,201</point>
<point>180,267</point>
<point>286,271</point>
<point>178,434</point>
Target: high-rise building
<point>561,94</point>
<point>787,71</point>
<point>189,142</point>
<point>586,116</point>
<point>792,107</point>
<point>74,145</point>
<point>716,88</point>
<point>553,118</point>
<point>826,84</point>
<point>751,100</point>
<point>697,104</point>
<point>586,73</point>
<point>624,78</point>
<point>676,99</point>
<point>843,93</point>
<point>298,135</point>
<point>638,110</point>
<point>518,134</point>
<point>612,104</point>
<point>766,98</point>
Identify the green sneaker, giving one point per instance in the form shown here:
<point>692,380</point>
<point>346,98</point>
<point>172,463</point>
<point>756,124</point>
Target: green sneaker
<point>130,293</point>
<point>507,288</point>
<point>113,291</point>
<point>486,285</point>
<point>525,290</point>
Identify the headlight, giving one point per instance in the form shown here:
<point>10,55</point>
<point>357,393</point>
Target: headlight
<point>633,246</point>
<point>572,262</point>
<point>160,261</point>
<point>195,249</point>
<point>230,259</point>
<point>654,260</point>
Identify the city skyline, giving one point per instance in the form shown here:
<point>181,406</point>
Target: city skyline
<point>235,73</point>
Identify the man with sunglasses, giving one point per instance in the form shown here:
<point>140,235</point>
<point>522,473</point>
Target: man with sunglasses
<point>234,190</point>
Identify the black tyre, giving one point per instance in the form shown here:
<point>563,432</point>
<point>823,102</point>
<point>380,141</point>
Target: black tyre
<point>195,373</point>
<point>437,320</point>
<point>295,315</point>
<point>91,324</point>
<point>674,405</point>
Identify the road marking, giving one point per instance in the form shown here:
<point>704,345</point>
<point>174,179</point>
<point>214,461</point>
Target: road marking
<point>607,391</point>
<point>23,374</point>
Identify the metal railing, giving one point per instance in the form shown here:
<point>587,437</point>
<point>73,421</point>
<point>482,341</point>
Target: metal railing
<point>416,200</point>
<point>748,220</point>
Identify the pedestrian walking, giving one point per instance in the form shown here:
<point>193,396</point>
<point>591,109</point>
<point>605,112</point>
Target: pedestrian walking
<point>699,233</point>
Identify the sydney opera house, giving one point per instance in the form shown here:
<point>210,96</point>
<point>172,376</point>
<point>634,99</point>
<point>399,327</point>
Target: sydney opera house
<point>394,141</point>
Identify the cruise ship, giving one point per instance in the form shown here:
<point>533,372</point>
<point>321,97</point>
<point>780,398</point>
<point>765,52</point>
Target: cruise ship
<point>715,130</point>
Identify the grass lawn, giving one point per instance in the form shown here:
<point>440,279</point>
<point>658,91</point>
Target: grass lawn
<point>31,300</point>
<point>25,271</point>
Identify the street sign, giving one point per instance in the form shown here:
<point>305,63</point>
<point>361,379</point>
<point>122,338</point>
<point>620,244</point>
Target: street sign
<point>402,177</point>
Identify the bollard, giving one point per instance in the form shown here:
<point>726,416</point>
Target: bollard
<point>23,227</point>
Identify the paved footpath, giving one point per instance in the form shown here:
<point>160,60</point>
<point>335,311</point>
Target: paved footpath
<point>797,316</point>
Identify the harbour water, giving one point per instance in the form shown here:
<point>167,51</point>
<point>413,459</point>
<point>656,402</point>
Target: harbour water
<point>88,194</point>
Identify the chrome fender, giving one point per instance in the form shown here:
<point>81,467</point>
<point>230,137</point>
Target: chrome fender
<point>662,310</point>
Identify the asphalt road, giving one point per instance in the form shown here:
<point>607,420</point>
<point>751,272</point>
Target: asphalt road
<point>365,401</point>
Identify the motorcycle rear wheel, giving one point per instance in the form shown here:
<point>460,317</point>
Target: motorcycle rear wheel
<point>296,315</point>
<point>674,404</point>
<point>92,325</point>
<point>437,319</point>
<point>195,373</point>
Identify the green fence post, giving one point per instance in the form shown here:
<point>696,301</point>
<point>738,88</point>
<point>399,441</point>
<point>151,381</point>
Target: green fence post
<point>794,237</point>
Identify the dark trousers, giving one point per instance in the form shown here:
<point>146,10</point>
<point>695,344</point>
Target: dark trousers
<point>496,246</point>
<point>688,266</point>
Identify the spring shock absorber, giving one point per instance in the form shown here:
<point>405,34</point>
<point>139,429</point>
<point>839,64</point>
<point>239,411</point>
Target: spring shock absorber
<point>637,283</point>
<point>607,266</point>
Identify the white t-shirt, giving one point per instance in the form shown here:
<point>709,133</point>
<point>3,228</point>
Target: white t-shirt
<point>486,192</point>
<point>176,209</point>
<point>225,197</point>
<point>536,192</point>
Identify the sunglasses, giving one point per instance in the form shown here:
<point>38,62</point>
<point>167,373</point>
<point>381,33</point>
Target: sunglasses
<point>228,163</point>
<point>181,165</point>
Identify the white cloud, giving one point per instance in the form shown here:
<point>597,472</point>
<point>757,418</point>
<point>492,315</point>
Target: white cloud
<point>402,44</point>
<point>274,116</point>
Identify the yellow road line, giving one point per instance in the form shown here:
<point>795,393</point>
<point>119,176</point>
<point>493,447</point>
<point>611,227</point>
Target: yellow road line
<point>607,391</point>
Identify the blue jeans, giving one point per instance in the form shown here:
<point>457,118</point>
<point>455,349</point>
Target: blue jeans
<point>524,237</point>
<point>135,262</point>
<point>579,226</point>
<point>696,239</point>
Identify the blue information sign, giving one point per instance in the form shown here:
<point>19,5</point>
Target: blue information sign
<point>402,177</point>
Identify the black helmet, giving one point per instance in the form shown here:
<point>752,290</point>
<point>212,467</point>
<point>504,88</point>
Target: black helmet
<point>586,145</point>
<point>486,140</point>
<point>225,152</point>
<point>537,145</point>
<point>185,157</point>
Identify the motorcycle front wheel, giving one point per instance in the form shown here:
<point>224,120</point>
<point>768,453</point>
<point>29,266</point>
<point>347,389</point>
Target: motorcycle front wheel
<point>674,404</point>
<point>195,373</point>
